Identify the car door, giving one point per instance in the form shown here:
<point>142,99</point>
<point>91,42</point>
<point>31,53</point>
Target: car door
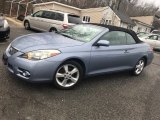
<point>46,20</point>
<point>52,20</point>
<point>35,20</point>
<point>111,58</point>
<point>133,50</point>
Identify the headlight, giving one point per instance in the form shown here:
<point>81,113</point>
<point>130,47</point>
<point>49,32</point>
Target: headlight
<point>40,54</point>
<point>6,24</point>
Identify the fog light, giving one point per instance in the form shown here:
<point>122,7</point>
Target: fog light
<point>24,73</point>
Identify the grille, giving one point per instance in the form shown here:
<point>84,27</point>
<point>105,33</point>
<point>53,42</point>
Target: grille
<point>12,50</point>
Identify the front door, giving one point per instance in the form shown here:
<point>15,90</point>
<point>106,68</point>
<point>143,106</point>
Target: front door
<point>36,20</point>
<point>112,58</point>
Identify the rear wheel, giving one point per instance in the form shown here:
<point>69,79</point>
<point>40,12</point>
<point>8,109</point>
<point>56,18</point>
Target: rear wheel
<point>53,30</point>
<point>68,75</point>
<point>27,25</point>
<point>139,67</point>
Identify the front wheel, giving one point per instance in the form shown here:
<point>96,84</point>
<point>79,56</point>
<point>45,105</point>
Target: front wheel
<point>68,75</point>
<point>139,67</point>
<point>27,25</point>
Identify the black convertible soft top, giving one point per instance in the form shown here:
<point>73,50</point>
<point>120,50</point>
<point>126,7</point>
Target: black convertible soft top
<point>114,28</point>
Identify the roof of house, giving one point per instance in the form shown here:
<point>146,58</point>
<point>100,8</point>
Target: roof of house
<point>53,2</point>
<point>124,17</point>
<point>142,23</point>
<point>145,19</point>
<point>94,9</point>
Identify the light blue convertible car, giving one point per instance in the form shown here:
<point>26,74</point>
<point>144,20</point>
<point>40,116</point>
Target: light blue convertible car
<point>65,57</point>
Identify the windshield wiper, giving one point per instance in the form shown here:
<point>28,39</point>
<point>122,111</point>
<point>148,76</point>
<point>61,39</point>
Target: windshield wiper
<point>67,36</point>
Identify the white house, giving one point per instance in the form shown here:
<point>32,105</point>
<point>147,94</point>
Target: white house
<point>143,23</point>
<point>56,6</point>
<point>102,15</point>
<point>142,27</point>
<point>105,15</point>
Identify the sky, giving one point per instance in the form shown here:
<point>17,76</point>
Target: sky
<point>155,2</point>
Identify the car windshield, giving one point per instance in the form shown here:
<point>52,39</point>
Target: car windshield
<point>83,32</point>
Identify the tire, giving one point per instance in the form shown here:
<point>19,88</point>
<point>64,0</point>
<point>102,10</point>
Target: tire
<point>68,75</point>
<point>53,30</point>
<point>138,69</point>
<point>27,25</point>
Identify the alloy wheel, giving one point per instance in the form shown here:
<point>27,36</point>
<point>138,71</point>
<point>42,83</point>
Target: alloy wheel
<point>67,75</point>
<point>27,25</point>
<point>139,67</point>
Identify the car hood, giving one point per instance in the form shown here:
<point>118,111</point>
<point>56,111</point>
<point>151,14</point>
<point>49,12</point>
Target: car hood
<point>43,41</point>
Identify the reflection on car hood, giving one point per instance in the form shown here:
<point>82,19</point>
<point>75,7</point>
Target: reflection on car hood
<point>44,41</point>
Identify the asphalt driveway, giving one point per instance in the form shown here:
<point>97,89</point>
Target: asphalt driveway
<point>116,96</point>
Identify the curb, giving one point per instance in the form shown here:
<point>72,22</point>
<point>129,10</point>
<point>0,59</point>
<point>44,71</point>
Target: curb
<point>19,23</point>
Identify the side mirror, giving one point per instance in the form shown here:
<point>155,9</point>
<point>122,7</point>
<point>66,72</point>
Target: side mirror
<point>32,14</point>
<point>102,43</point>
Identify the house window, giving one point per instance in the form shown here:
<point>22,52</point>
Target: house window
<point>86,18</point>
<point>139,29</point>
<point>130,27</point>
<point>108,22</point>
<point>121,24</point>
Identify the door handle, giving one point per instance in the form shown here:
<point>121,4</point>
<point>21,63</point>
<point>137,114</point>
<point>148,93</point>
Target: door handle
<point>126,51</point>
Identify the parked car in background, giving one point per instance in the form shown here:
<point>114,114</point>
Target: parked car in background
<point>153,40</point>
<point>49,20</point>
<point>155,32</point>
<point>67,56</point>
<point>142,34</point>
<point>4,28</point>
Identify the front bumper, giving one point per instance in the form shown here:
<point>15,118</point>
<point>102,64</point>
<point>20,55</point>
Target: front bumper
<point>31,71</point>
<point>4,34</point>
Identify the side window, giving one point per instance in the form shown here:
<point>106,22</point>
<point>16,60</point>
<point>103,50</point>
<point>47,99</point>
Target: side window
<point>38,14</point>
<point>115,38</point>
<point>130,39</point>
<point>47,14</point>
<point>53,15</point>
<point>59,17</point>
<point>153,37</point>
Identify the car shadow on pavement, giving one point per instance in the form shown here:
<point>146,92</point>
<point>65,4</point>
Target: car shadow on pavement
<point>86,83</point>
<point>35,31</point>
